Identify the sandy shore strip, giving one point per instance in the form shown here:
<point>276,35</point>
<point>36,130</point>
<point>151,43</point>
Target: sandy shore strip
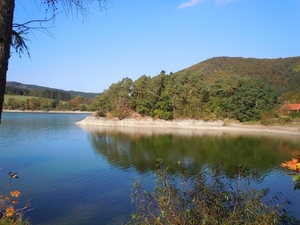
<point>189,124</point>
<point>41,111</point>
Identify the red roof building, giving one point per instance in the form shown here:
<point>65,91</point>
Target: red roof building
<point>287,109</point>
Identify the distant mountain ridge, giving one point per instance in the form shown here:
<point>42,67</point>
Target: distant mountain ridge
<point>31,86</point>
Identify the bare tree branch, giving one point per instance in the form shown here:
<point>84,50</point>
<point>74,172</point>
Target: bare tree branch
<point>19,30</point>
<point>25,25</point>
<point>74,7</point>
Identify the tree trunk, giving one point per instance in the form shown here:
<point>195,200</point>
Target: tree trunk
<point>6,20</point>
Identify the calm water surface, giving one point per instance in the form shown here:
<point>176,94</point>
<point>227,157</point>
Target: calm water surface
<point>83,175</point>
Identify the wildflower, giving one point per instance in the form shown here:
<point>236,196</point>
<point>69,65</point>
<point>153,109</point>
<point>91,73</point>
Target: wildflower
<point>15,193</point>
<point>9,211</point>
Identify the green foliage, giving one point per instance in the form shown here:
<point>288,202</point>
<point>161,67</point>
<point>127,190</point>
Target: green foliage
<point>33,103</point>
<point>189,95</point>
<point>101,114</point>
<point>292,96</point>
<point>101,104</point>
<point>16,97</point>
<point>282,73</point>
<point>267,118</point>
<point>296,178</point>
<point>251,98</point>
<point>295,115</point>
<point>223,87</point>
<point>15,86</point>
<point>117,99</point>
<point>142,94</point>
<point>283,121</point>
<point>162,108</point>
<point>41,93</point>
<point>207,198</point>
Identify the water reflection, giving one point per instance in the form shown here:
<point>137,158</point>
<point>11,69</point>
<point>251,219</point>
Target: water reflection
<point>139,148</point>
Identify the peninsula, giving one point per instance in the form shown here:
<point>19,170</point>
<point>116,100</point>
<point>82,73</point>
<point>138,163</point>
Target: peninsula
<point>218,125</point>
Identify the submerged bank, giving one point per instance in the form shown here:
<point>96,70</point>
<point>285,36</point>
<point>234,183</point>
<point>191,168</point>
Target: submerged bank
<point>189,124</point>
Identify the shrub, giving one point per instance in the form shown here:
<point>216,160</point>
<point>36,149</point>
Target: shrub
<point>283,121</point>
<point>295,115</point>
<point>101,113</point>
<point>207,198</point>
<point>267,118</point>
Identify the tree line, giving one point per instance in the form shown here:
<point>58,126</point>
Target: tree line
<point>32,86</point>
<point>77,103</point>
<point>189,95</point>
<point>41,93</point>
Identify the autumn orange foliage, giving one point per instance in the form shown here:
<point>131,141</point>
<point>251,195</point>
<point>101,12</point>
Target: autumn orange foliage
<point>10,214</point>
<point>294,164</point>
<point>15,193</point>
<point>9,211</point>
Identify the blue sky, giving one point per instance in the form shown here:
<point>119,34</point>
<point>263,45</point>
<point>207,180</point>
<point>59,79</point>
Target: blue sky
<point>134,38</point>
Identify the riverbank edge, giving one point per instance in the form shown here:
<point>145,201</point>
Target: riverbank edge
<point>50,111</point>
<point>218,125</point>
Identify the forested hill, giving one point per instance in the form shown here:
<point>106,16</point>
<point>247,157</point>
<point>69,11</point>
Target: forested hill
<point>30,86</point>
<point>223,87</point>
<point>282,73</point>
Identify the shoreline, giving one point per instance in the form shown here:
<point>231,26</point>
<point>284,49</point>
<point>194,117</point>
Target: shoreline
<point>189,124</point>
<point>41,111</point>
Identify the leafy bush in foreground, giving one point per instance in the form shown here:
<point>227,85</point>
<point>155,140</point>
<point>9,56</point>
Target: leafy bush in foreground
<point>208,198</point>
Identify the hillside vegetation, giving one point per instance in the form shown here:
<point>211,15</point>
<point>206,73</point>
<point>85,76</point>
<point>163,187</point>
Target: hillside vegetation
<point>36,88</point>
<point>20,102</point>
<point>245,89</point>
<point>22,98</point>
<point>282,73</point>
<point>37,92</point>
<point>32,97</point>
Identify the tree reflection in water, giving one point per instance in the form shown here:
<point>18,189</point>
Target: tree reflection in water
<point>139,148</point>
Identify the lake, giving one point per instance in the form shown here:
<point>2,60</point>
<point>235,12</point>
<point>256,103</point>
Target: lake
<point>83,175</point>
